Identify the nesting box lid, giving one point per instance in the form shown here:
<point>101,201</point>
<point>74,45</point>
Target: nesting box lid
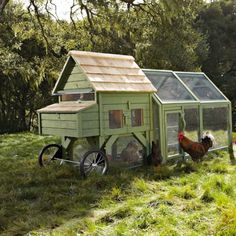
<point>111,72</point>
<point>66,107</point>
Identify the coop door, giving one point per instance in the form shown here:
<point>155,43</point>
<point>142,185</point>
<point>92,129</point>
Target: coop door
<point>172,130</point>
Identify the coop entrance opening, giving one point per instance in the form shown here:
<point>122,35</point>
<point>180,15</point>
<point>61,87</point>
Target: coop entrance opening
<point>173,123</point>
<point>126,151</point>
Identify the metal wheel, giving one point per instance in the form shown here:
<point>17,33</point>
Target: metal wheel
<point>49,153</point>
<point>94,161</point>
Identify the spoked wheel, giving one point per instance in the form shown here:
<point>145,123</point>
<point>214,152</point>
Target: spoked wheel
<point>94,161</point>
<point>49,153</point>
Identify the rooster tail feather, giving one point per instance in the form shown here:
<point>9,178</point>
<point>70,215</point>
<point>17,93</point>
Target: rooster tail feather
<point>210,136</point>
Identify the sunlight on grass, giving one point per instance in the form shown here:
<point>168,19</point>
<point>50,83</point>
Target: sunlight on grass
<point>227,223</point>
<point>196,199</point>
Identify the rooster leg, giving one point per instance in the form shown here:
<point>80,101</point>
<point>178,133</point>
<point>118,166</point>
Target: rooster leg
<point>231,155</point>
<point>180,161</point>
<point>179,164</point>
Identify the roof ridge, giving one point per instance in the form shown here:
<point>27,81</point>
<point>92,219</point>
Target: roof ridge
<point>110,66</point>
<point>101,55</point>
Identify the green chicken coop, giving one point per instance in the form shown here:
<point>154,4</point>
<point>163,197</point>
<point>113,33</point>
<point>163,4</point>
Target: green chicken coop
<point>112,109</point>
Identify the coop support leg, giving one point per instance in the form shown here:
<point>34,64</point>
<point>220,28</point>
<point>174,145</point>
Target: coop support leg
<point>230,137</point>
<point>67,143</point>
<point>143,141</point>
<point>109,144</point>
<point>231,154</point>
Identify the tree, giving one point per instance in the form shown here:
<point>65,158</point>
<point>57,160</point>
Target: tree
<point>218,22</point>
<point>159,34</point>
<point>170,39</point>
<point>25,68</point>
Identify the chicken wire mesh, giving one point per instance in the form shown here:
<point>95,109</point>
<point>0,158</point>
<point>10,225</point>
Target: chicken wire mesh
<point>215,120</point>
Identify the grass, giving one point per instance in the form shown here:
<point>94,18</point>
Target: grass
<point>197,199</point>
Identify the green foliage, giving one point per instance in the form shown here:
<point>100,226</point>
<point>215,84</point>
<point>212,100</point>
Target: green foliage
<point>170,39</point>
<point>29,65</point>
<point>207,196</point>
<point>218,168</point>
<point>184,192</point>
<point>218,22</point>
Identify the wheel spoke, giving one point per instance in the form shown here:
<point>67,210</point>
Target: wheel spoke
<point>94,157</point>
<point>91,158</point>
<point>99,159</point>
<point>88,161</point>
<point>87,165</point>
<point>89,169</point>
<point>47,159</point>
<point>101,162</point>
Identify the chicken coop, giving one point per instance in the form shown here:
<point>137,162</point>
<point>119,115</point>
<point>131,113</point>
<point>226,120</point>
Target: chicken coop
<point>189,102</point>
<point>106,102</point>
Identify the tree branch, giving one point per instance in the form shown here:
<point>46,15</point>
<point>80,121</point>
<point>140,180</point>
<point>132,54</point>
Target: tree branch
<point>89,12</point>
<point>3,4</point>
<point>36,10</point>
<point>72,13</point>
<point>48,10</point>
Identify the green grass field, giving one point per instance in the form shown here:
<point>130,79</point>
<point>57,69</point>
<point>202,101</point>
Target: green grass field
<point>197,199</point>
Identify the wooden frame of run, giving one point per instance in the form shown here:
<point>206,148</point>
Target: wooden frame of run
<point>166,107</point>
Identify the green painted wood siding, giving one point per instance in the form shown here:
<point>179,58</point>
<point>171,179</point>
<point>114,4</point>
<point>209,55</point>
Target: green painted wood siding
<point>82,124</point>
<point>59,124</point>
<point>86,123</point>
<point>72,78</point>
<point>90,122</point>
<point>125,102</point>
<point>76,79</point>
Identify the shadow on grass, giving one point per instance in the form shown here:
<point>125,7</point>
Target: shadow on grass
<point>34,198</point>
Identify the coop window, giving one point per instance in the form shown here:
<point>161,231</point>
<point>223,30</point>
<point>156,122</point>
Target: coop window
<point>115,119</point>
<point>78,97</point>
<point>136,117</point>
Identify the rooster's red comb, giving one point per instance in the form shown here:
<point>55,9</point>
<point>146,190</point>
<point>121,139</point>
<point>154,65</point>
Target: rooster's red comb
<point>180,135</point>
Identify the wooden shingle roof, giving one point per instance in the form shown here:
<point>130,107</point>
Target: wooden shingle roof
<point>112,72</point>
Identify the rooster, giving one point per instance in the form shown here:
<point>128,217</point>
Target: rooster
<point>196,149</point>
